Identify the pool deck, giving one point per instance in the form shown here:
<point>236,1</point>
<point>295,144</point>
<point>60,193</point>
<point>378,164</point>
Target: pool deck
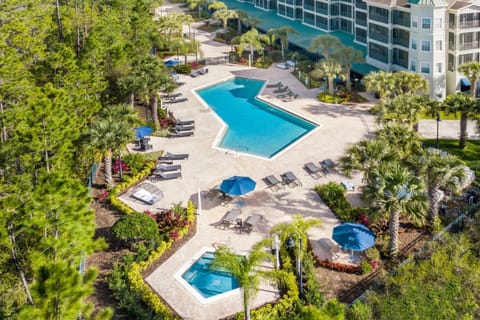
<point>339,126</point>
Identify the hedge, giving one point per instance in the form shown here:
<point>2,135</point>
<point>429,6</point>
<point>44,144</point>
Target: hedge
<point>135,278</point>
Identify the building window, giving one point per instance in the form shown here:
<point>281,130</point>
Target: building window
<point>426,45</point>
<point>438,23</point>
<point>438,45</point>
<point>414,44</point>
<point>413,65</point>
<point>426,23</point>
<point>438,67</point>
<point>425,68</point>
<point>414,22</point>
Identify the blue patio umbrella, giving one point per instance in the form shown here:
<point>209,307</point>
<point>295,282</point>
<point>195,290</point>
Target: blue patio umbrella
<point>141,132</point>
<point>171,63</point>
<point>353,236</point>
<point>237,185</point>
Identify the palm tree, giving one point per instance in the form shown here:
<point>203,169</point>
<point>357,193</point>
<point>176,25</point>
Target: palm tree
<point>467,106</point>
<point>325,45</point>
<point>442,172</point>
<point>409,83</point>
<point>401,110</point>
<point>329,69</point>
<point>347,56</point>
<point>241,16</point>
<point>471,70</point>
<point>192,4</point>
<point>107,135</point>
<point>395,190</point>
<point>245,269</point>
<point>222,13</point>
<point>251,40</point>
<point>282,34</point>
<point>381,82</point>
<point>405,142</point>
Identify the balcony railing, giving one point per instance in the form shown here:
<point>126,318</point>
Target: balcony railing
<point>469,45</point>
<point>469,24</point>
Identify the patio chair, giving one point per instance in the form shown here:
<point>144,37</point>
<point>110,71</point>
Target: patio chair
<point>184,123</point>
<point>291,180</point>
<point>168,175</point>
<point>184,128</point>
<point>179,100</point>
<point>181,134</point>
<point>290,97</point>
<point>194,73</point>
<point>285,95</point>
<point>171,156</point>
<point>275,85</point>
<point>328,166</point>
<point>273,183</point>
<point>165,167</point>
<point>251,222</point>
<point>203,71</point>
<point>281,90</point>
<point>313,170</point>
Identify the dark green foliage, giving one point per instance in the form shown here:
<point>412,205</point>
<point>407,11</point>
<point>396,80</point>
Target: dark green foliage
<point>134,161</point>
<point>183,68</point>
<point>135,227</point>
<point>312,292</point>
<point>333,194</point>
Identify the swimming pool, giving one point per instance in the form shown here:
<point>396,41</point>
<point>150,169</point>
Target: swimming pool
<point>209,283</point>
<point>254,127</point>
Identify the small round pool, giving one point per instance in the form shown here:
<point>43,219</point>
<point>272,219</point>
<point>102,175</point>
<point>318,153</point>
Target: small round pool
<point>208,282</point>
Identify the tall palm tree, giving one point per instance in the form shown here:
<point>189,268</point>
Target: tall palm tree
<point>325,45</point>
<point>222,13</point>
<point>467,106</point>
<point>381,82</point>
<point>251,40</point>
<point>442,172</point>
<point>192,4</point>
<point>405,142</point>
<point>409,83</point>
<point>282,34</point>
<point>347,56</point>
<point>241,16</point>
<point>471,70</point>
<point>107,135</point>
<point>395,190</point>
<point>401,110</point>
<point>245,269</point>
<point>331,70</point>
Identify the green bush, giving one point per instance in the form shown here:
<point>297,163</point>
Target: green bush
<point>183,68</point>
<point>359,311</point>
<point>327,98</point>
<point>372,254</point>
<point>135,162</point>
<point>135,227</point>
<point>366,267</point>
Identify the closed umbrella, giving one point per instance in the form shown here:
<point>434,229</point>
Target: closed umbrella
<point>353,236</point>
<point>237,185</point>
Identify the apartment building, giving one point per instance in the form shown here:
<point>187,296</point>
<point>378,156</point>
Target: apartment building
<point>430,37</point>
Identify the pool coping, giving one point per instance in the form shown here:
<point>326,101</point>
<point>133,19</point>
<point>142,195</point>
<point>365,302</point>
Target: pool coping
<point>224,128</point>
<point>191,290</point>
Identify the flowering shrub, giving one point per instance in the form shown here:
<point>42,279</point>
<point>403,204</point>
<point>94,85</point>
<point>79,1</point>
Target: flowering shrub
<point>116,166</point>
<point>341,267</point>
<point>103,195</point>
<point>363,219</point>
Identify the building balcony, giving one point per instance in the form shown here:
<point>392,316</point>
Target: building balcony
<point>469,45</point>
<point>469,24</point>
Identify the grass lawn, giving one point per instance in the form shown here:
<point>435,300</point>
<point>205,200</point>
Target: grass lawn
<point>443,116</point>
<point>470,154</point>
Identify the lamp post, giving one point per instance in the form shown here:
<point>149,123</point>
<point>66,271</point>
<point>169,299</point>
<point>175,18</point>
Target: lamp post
<point>355,81</point>
<point>438,126</point>
<point>276,248</point>
<point>291,244</point>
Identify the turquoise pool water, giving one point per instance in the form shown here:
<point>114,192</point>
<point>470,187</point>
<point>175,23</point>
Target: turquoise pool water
<point>254,127</point>
<point>209,283</point>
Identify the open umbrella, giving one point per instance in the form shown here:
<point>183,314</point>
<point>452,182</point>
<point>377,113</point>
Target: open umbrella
<point>237,185</point>
<point>171,63</point>
<point>141,132</point>
<point>353,236</point>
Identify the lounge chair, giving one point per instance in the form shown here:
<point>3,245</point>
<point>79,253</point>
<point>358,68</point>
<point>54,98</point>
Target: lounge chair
<point>313,170</point>
<point>145,196</point>
<point>171,156</point>
<point>165,167</point>
<point>328,166</point>
<point>291,180</point>
<point>290,97</point>
<point>184,128</point>
<point>230,217</point>
<point>203,70</point>
<point>181,134</point>
<point>184,123</point>
<point>273,183</point>
<point>168,175</point>
<point>285,95</point>
<point>194,73</point>
<point>250,222</point>
<point>275,85</point>
<point>281,90</point>
<point>179,100</point>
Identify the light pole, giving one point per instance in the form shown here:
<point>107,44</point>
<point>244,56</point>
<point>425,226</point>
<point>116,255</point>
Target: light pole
<point>438,126</point>
<point>276,248</point>
<point>355,81</point>
<point>291,244</point>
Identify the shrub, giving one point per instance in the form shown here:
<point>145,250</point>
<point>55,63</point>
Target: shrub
<point>359,311</point>
<point>333,194</point>
<point>341,267</point>
<point>366,266</point>
<point>372,254</point>
<point>183,68</point>
<point>135,227</point>
<point>135,162</point>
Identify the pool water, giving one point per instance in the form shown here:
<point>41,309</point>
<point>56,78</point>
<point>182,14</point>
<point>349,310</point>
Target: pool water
<point>254,127</point>
<point>209,283</point>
